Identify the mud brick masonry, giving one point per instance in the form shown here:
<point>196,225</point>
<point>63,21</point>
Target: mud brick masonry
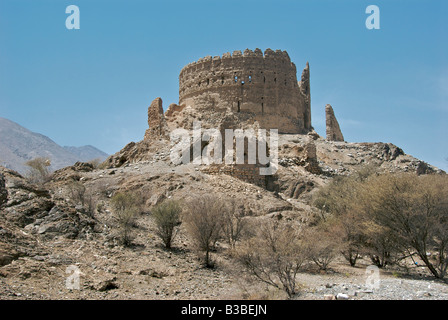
<point>264,85</point>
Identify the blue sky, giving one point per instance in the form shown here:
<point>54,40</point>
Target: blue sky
<point>93,85</point>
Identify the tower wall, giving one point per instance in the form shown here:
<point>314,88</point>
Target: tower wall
<point>263,86</point>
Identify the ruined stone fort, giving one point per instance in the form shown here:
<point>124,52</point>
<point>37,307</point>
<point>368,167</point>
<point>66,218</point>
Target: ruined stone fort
<point>238,90</point>
<point>259,86</point>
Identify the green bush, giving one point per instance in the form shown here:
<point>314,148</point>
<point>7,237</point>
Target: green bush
<point>126,206</point>
<point>167,217</point>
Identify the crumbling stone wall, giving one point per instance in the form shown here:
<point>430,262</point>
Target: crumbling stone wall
<point>310,159</point>
<point>262,85</point>
<point>157,126</point>
<point>334,132</point>
<point>305,156</point>
<point>245,172</point>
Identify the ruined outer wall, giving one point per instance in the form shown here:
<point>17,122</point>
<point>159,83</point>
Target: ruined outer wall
<point>263,85</point>
<point>245,172</point>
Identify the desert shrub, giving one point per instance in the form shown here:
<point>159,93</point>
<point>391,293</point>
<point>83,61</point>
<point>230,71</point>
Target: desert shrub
<point>275,255</point>
<point>77,192</point>
<point>38,170</point>
<point>103,165</point>
<point>167,218</point>
<point>96,163</point>
<point>89,203</point>
<point>234,224</point>
<point>100,207</point>
<point>80,195</point>
<point>203,219</point>
<point>126,207</point>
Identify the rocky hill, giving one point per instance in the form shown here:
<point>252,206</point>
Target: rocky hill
<point>46,233</point>
<point>18,145</point>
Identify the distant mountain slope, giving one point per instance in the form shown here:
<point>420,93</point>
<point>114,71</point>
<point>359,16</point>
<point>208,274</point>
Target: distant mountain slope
<point>87,153</point>
<point>18,145</point>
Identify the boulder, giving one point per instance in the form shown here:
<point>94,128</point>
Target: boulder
<point>342,296</point>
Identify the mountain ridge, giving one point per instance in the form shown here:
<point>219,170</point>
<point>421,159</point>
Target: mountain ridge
<point>19,144</point>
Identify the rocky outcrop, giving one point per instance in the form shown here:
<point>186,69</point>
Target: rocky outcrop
<point>72,172</point>
<point>333,131</point>
<point>313,135</point>
<point>63,220</point>
<point>294,187</point>
<point>30,214</point>
<point>142,151</point>
<point>26,202</point>
<point>390,151</point>
<point>33,208</point>
<point>157,127</point>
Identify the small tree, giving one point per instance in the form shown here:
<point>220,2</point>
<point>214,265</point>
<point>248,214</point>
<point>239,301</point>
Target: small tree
<point>321,246</point>
<point>274,256</point>
<point>382,244</point>
<point>167,217</point>
<point>351,234</point>
<point>126,207</point>
<point>414,209</point>
<point>341,207</point>
<point>203,219</point>
<point>38,170</point>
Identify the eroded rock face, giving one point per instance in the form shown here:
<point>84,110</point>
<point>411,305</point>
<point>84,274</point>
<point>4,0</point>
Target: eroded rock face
<point>157,127</point>
<point>63,220</point>
<point>34,208</point>
<point>333,131</point>
<point>72,172</point>
<point>29,213</point>
<point>26,202</point>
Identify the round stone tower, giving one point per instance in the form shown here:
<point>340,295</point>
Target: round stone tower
<point>256,86</point>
